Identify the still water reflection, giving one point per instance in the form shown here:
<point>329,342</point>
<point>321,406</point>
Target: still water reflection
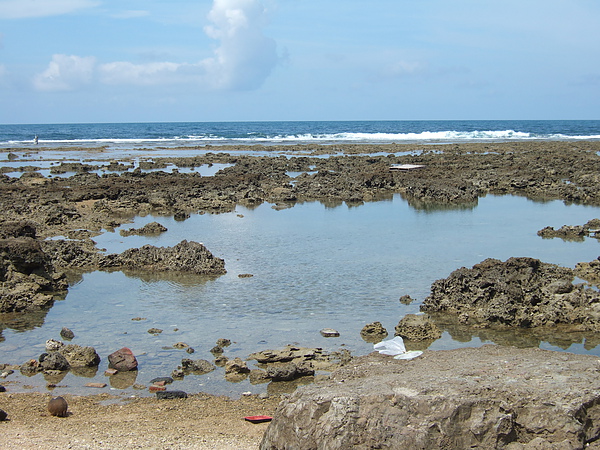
<point>313,267</point>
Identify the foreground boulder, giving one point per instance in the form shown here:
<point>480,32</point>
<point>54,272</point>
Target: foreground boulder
<point>488,397</point>
<point>520,292</point>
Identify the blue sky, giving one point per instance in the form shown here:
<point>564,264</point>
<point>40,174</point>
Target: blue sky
<point>230,60</point>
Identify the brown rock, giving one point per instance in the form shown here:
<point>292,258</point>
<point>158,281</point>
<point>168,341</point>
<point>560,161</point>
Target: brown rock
<point>417,327</point>
<point>123,360</point>
<point>58,407</point>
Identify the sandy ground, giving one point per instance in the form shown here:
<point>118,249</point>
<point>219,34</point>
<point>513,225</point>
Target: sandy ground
<point>103,422</point>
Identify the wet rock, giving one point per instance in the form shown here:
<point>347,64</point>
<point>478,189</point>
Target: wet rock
<point>197,366</point>
<point>58,407</point>
<point>373,332</point>
<point>221,342</point>
<point>2,388</point>
<point>216,350</point>
<point>166,380</point>
<point>30,368</point>
<point>187,256</point>
<point>155,331</point>
<point>28,279</point>
<point>3,415</point>
<point>406,300</point>
<point>492,397</point>
<point>329,332</point>
<point>178,374</point>
<point>221,360</point>
<point>417,327</point>
<point>150,229</point>
<point>258,376</point>
<point>180,345</point>
<point>79,356</point>
<point>123,360</point>
<point>66,333</point>
<point>236,366</point>
<point>520,292</point>
<point>53,361</point>
<point>589,271</point>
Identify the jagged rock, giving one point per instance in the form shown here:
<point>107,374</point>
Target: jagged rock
<point>79,356</point>
<point>197,366</point>
<point>53,361</point>
<point>236,366</point>
<point>589,271</point>
<point>373,332</point>
<point>417,327</point>
<point>52,345</point>
<point>522,292</point>
<point>150,229</point>
<point>406,300</point>
<point>488,397</point>
<point>222,342</point>
<point>123,360</point>
<point>28,280</point>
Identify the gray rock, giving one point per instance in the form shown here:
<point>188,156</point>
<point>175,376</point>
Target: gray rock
<point>196,366</point>
<point>66,333</point>
<point>488,397</point>
<point>290,371</point>
<point>79,356</point>
<point>330,332</point>
<point>168,395</point>
<point>236,366</point>
<point>53,361</point>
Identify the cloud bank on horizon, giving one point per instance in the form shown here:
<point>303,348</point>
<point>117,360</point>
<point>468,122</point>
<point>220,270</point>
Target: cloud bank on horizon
<point>94,60</point>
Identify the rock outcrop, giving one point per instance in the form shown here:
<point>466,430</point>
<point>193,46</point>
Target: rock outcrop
<point>488,397</point>
<point>520,292</point>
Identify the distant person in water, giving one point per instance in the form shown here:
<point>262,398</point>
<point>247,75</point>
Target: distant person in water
<point>35,140</point>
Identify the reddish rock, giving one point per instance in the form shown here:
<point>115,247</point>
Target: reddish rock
<point>155,388</point>
<point>109,372</point>
<point>96,385</point>
<point>123,360</point>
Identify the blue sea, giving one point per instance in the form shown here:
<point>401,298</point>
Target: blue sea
<point>314,266</point>
<point>177,134</point>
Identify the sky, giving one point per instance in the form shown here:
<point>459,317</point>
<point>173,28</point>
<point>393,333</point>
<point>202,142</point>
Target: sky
<point>71,61</point>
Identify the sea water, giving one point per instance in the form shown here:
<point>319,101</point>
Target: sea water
<point>314,266</point>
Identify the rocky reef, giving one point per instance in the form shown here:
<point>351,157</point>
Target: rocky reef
<point>487,397</point>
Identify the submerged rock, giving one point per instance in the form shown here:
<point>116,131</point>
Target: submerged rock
<point>488,397</point>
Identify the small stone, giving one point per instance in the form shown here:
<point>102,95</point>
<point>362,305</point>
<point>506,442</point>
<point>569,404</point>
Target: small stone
<point>67,334</point>
<point>245,275</point>
<point>137,319</point>
<point>96,385</point>
<point>236,366</point>
<point>406,300</point>
<point>139,387</point>
<point>178,374</point>
<point>3,415</point>
<point>167,395</point>
<point>181,345</point>
<point>159,383</point>
<point>263,396</point>
<point>216,350</point>
<point>2,388</point>
<point>155,331</point>
<point>109,372</point>
<point>329,332</point>
<point>155,388</point>
<point>247,394</point>
<point>189,350</point>
<point>164,380</point>
<point>58,407</point>
<point>223,342</point>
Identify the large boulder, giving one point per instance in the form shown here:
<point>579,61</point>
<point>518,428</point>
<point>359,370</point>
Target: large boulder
<point>28,280</point>
<point>520,292</point>
<point>488,397</point>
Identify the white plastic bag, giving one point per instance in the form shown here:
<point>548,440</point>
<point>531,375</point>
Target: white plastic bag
<point>395,347</point>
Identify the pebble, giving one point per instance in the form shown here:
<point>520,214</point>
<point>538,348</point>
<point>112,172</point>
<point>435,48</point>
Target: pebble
<point>329,332</point>
<point>3,415</point>
<point>95,385</point>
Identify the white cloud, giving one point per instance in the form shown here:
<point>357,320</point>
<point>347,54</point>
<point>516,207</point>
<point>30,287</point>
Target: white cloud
<point>139,74</point>
<point>21,9</point>
<point>242,60</point>
<point>65,73</point>
<point>245,57</point>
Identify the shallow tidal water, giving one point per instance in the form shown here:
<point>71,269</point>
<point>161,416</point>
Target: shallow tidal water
<point>313,267</point>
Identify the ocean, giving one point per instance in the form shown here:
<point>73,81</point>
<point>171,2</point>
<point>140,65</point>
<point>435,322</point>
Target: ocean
<point>314,266</point>
<point>175,134</point>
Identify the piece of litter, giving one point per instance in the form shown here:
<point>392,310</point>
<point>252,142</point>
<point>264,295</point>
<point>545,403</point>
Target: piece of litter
<point>258,419</point>
<point>395,347</point>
